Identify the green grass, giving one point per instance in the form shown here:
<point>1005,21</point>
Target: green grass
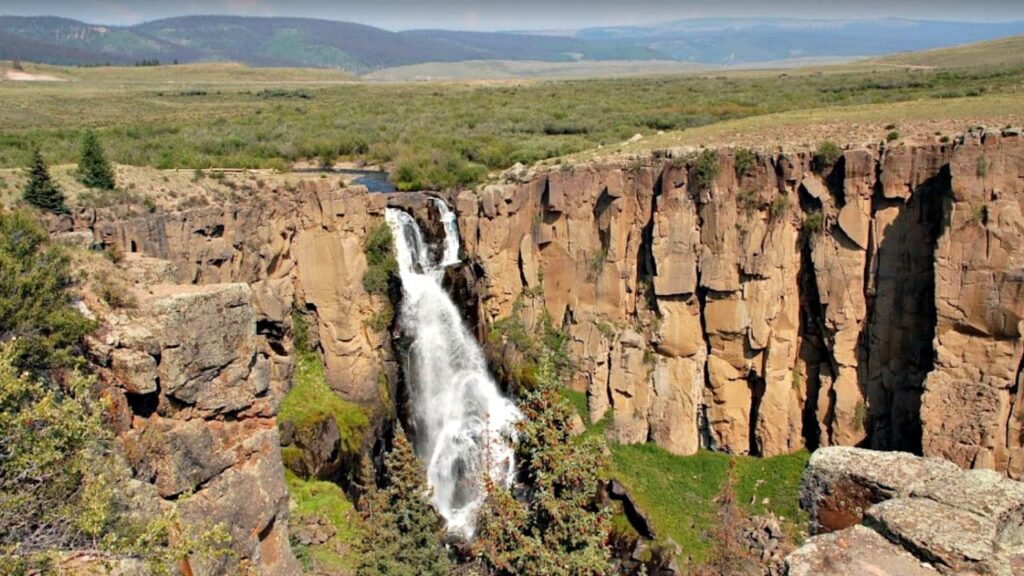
<point>678,493</point>
<point>579,402</point>
<point>772,485</point>
<point>310,401</point>
<point>432,134</point>
<point>327,500</point>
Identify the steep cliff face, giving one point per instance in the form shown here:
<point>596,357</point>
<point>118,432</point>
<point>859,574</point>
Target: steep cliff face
<point>293,248</point>
<point>197,372</point>
<point>192,402</point>
<point>758,305</point>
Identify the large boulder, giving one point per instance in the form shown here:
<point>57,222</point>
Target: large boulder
<point>892,513</point>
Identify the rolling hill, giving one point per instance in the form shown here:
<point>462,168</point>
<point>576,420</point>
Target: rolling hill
<point>305,42</point>
<point>285,42</point>
<point>734,41</point>
<point>1002,52</point>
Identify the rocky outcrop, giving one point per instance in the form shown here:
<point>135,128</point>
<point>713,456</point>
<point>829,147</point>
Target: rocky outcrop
<point>193,405</point>
<point>894,513</point>
<point>196,373</point>
<point>294,248</point>
<point>768,303</point>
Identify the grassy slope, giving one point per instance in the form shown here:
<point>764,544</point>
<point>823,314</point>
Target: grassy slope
<point>328,501</point>
<point>1002,52</point>
<point>677,493</point>
<point>310,401</point>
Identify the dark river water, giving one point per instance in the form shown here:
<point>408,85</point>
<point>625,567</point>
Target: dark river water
<point>374,180</point>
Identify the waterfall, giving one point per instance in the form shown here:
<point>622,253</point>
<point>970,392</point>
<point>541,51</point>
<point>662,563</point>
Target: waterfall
<point>464,427</point>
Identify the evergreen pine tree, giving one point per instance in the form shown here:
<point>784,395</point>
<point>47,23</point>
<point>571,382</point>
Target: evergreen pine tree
<point>403,532</point>
<point>40,190</point>
<point>561,529</point>
<point>93,168</point>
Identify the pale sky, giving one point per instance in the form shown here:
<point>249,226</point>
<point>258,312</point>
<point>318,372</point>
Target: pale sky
<point>518,14</point>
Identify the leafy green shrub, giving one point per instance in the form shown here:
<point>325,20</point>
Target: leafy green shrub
<point>529,346</point>
<point>115,294</point>
<point>779,206</point>
<point>40,190</point>
<point>827,155</point>
<point>745,160</point>
<point>380,259</point>
<point>892,136</point>
<point>814,222</point>
<point>52,441</point>
<point>980,215</point>
<point>35,297</point>
<point>748,201</point>
<point>860,416</point>
<point>704,171</point>
<point>381,319</point>
<point>59,483</point>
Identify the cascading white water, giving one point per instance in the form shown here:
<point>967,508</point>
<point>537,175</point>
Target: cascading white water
<point>464,427</point>
<point>451,234</point>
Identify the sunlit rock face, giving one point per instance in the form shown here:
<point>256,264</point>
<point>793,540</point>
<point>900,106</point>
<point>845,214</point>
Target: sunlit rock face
<point>783,304</point>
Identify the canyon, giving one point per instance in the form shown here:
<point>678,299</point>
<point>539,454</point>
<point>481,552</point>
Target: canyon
<point>747,302</point>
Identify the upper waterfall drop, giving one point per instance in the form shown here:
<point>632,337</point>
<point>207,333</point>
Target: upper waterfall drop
<point>463,424</point>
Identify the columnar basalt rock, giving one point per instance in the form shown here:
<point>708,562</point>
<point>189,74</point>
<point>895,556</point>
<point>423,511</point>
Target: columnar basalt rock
<point>973,406</point>
<point>786,303</point>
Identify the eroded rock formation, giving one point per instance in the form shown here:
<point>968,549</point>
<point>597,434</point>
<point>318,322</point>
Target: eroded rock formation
<point>780,303</point>
<point>192,402</point>
<point>302,247</point>
<point>894,513</point>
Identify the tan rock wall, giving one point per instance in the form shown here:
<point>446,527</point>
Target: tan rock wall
<point>301,246</point>
<point>715,317</point>
<point>192,402</point>
<point>972,409</point>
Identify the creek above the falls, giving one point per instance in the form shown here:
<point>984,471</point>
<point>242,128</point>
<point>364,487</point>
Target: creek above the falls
<point>463,426</point>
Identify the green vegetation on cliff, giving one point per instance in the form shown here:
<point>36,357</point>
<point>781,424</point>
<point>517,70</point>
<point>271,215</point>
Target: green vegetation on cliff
<point>307,409</point>
<point>403,533</point>
<point>36,315</point>
<point>316,501</point>
<point>310,402</point>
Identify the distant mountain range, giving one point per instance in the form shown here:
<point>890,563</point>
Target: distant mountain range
<point>291,42</point>
<point>731,41</point>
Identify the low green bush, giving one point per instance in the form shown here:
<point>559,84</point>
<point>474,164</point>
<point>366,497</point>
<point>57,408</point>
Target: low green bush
<point>380,259</point>
<point>827,155</point>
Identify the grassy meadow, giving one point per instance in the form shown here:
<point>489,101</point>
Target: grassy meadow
<point>432,135</point>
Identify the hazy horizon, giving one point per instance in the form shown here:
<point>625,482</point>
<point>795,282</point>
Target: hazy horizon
<point>526,15</point>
